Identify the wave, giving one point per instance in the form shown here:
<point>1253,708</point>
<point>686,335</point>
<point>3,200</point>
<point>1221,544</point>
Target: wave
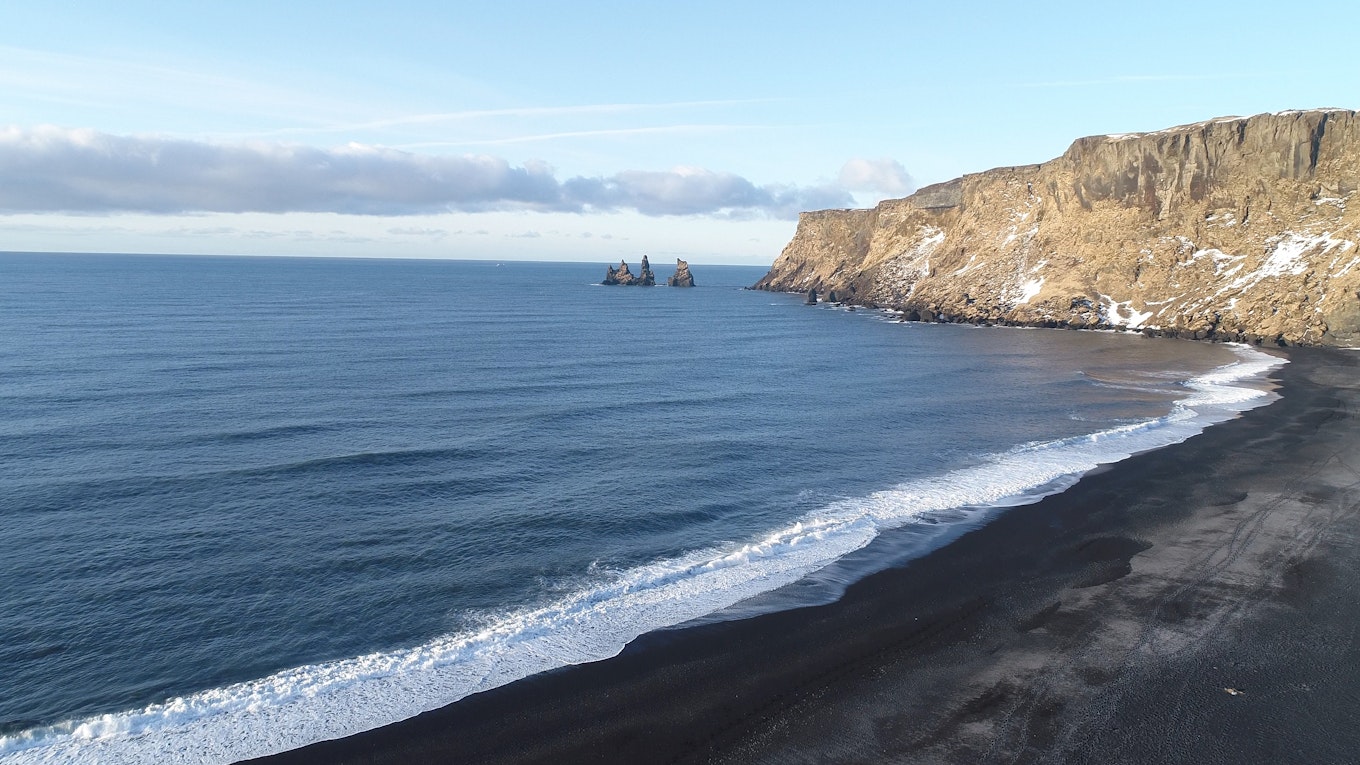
<point>321,701</point>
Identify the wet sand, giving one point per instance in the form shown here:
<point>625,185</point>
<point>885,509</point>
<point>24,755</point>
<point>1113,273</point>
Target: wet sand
<point>1196,604</point>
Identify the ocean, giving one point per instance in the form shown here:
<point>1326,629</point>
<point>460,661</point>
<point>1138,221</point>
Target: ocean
<point>251,503</point>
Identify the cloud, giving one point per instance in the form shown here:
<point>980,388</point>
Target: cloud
<point>885,176</point>
<point>417,231</point>
<point>51,169</point>
<point>696,191</point>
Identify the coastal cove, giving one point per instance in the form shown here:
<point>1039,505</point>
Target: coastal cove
<point>399,491</point>
<point>719,383</point>
<point>1189,605</point>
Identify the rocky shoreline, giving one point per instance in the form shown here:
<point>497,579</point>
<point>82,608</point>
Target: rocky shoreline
<point>928,316</point>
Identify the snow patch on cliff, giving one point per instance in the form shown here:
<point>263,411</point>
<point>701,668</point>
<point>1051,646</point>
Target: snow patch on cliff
<point>1025,237</point>
<point>901,273</point>
<point>927,239</point>
<point>1344,269</point>
<point>1224,264</point>
<point>1019,217</point>
<point>1287,255</point>
<point>1122,314</point>
<point>1292,246</point>
<point>1285,258</point>
<point>966,266</point>
<point>1029,289</point>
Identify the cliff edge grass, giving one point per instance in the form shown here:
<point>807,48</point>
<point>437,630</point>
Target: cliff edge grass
<point>1236,228</point>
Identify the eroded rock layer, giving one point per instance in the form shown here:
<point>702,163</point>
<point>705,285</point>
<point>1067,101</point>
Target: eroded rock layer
<point>1235,228</point>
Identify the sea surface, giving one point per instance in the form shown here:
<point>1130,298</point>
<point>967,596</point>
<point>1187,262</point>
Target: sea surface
<point>250,503</point>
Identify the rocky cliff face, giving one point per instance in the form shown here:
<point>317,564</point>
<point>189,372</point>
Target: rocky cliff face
<point>1235,229</point>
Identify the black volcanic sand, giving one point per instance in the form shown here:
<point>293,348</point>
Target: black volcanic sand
<point>1196,604</point>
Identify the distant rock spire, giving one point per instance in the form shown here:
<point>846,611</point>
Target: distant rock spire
<point>623,276</point>
<point>682,276</point>
<point>620,275</point>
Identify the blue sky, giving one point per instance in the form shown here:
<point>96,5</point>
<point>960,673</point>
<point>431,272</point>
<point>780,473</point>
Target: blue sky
<point>585,131</point>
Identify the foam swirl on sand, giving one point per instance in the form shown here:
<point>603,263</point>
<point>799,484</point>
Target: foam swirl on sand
<point>306,704</point>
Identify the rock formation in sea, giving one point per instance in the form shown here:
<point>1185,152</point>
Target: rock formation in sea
<point>622,275</point>
<point>1237,228</point>
<point>682,277</point>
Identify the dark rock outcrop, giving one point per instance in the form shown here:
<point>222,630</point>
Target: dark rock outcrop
<point>620,275</point>
<point>812,296</point>
<point>623,276</point>
<point>682,276</point>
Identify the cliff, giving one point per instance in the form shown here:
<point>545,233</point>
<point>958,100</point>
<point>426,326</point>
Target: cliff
<point>1235,229</point>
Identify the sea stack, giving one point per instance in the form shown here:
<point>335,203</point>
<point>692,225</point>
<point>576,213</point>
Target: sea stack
<point>620,275</point>
<point>682,277</point>
<point>623,276</point>
<point>1238,228</point>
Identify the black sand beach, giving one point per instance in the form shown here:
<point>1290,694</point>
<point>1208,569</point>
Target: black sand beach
<point>1197,604</point>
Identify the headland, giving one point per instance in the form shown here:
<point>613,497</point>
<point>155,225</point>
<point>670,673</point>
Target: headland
<point>1237,228</point>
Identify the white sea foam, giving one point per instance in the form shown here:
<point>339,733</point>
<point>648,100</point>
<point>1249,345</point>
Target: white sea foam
<point>315,702</point>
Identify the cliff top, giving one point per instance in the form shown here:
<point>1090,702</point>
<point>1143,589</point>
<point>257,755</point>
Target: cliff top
<point>1228,120</point>
<point>946,194</point>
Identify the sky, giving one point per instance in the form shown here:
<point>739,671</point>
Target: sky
<point>586,131</point>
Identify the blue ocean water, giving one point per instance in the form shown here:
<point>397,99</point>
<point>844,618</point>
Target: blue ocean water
<point>249,503</point>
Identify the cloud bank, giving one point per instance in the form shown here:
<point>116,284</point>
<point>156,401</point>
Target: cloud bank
<point>884,176</point>
<point>51,169</point>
